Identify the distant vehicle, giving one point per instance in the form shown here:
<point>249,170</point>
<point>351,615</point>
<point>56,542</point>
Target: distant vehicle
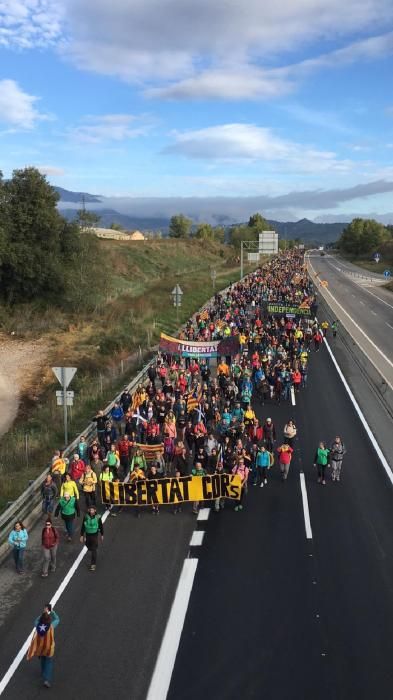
<point>322,253</point>
<point>320,247</point>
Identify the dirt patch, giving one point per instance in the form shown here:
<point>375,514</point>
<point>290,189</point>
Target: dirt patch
<point>20,365</point>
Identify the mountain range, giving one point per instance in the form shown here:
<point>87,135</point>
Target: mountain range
<point>158,219</point>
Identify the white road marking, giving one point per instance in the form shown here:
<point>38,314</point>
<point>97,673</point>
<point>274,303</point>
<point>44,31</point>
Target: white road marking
<point>363,333</point>
<point>377,297</point>
<point>362,303</point>
<point>307,522</point>
<point>203,514</point>
<point>163,670</point>
<point>23,650</point>
<point>358,410</point>
<point>197,538</point>
<point>373,312</point>
<point>293,396</point>
<point>388,324</point>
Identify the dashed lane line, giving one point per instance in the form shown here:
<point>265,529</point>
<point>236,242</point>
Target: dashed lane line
<point>306,512</point>
<point>163,670</point>
<point>197,538</point>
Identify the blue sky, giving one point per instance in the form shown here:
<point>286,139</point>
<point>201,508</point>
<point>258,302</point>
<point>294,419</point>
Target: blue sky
<point>172,99</point>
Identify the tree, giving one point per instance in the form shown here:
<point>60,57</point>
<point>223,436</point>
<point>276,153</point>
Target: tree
<point>87,220</point>
<point>363,236</point>
<point>205,232</point>
<point>116,227</point>
<point>242,233</point>
<point>258,223</point>
<point>180,226</point>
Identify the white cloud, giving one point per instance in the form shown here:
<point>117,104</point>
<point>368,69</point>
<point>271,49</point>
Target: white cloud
<point>248,142</point>
<point>51,170</point>
<point>28,23</point>
<point>188,43</point>
<point>109,127</point>
<point>17,108</point>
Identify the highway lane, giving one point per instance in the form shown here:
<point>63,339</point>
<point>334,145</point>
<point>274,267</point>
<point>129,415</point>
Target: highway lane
<point>370,308</point>
<point>112,620</point>
<point>273,615</point>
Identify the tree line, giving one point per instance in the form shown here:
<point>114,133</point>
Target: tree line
<point>366,236</point>
<point>43,257</point>
<point>182,227</point>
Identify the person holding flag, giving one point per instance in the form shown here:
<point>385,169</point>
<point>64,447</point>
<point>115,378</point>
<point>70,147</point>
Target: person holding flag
<point>42,644</point>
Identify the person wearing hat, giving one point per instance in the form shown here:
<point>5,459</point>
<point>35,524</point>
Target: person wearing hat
<point>91,526</point>
<point>42,643</point>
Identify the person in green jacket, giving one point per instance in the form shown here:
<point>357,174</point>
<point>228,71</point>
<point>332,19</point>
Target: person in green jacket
<point>91,526</point>
<point>68,507</point>
<point>320,461</point>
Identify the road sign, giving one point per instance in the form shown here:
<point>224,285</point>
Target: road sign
<point>377,257</point>
<point>69,396</point>
<point>387,273</point>
<point>64,375</point>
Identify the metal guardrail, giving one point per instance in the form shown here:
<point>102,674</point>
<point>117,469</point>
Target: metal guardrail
<point>28,506</point>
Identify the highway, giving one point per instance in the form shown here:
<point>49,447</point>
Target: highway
<point>363,307</point>
<point>272,614</point>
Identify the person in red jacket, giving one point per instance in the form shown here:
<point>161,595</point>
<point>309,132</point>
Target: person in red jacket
<point>255,432</point>
<point>124,454</point>
<point>49,541</point>
<point>77,468</point>
<point>317,340</point>
<point>297,379</point>
<point>284,459</point>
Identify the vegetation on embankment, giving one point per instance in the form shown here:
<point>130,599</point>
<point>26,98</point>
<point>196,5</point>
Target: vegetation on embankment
<point>101,340</point>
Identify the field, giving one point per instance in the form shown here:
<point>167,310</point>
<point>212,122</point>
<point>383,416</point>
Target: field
<point>107,346</point>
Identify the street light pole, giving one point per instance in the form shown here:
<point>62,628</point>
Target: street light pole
<point>241,259</point>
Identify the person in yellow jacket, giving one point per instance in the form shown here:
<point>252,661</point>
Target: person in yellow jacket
<point>69,486</point>
<point>88,481</point>
<point>58,467</point>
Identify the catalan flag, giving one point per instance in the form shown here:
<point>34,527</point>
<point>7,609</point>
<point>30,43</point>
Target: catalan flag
<point>151,452</point>
<point>43,641</point>
<point>204,315</point>
<point>194,399</point>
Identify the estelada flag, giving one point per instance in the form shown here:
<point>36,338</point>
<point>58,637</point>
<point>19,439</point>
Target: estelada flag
<point>43,642</point>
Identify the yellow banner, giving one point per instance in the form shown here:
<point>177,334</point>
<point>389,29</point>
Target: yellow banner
<point>150,492</point>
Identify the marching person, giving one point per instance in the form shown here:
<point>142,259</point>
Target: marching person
<point>68,507</point>
<point>91,526</point>
<point>320,461</point>
<point>337,452</point>
<point>49,542</point>
<point>262,464</point>
<point>18,539</point>
<point>290,431</point>
<point>88,481</point>
<point>42,644</point>
<point>49,493</point>
<point>242,470</point>
<point>284,459</point>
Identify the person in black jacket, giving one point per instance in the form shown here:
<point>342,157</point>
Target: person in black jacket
<point>100,419</point>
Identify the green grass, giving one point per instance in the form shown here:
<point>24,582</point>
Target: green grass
<point>137,308</point>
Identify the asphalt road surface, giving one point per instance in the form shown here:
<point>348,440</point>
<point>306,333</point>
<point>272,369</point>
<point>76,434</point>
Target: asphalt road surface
<point>275,616</point>
<point>272,615</point>
<point>370,306</point>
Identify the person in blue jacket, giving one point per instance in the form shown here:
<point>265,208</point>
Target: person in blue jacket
<point>18,539</point>
<point>262,464</point>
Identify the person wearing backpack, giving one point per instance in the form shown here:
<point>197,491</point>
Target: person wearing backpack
<point>68,508</point>
<point>320,461</point>
<point>91,526</point>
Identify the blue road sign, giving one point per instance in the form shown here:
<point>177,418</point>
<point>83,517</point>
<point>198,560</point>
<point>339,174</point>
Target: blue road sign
<point>387,273</point>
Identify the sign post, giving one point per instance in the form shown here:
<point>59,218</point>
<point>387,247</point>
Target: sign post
<point>176,296</point>
<point>64,376</point>
<point>387,274</point>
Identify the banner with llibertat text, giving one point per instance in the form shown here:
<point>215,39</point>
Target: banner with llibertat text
<point>171,490</point>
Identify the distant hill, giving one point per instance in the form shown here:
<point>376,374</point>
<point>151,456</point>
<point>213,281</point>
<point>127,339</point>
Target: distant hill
<point>308,231</point>
<point>77,197</point>
<point>110,216</point>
